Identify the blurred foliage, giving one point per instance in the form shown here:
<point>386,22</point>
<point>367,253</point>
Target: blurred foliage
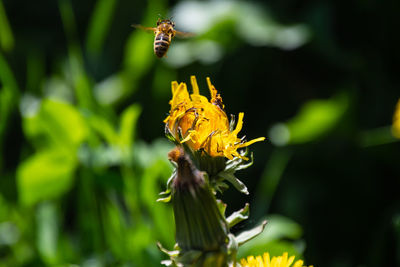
<point>82,99</point>
<point>315,118</point>
<point>276,238</point>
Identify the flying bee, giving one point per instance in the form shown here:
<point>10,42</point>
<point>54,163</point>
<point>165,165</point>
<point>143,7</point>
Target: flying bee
<point>164,32</point>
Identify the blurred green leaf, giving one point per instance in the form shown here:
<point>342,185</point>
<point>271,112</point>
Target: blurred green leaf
<point>138,54</point>
<point>269,181</point>
<point>76,71</point>
<point>49,172</point>
<point>104,128</point>
<point>99,24</point>
<point>153,176</point>
<point>377,136</point>
<point>80,80</point>
<point>6,104</point>
<point>59,122</point>
<point>315,119</point>
<point>110,90</point>
<point>271,239</point>
<point>128,125</point>
<point>259,29</point>
<point>9,233</point>
<point>140,239</point>
<point>156,171</point>
<point>247,235</point>
<point>35,70</point>
<point>221,27</point>
<point>7,76</point>
<point>68,19</point>
<point>119,143</point>
<point>45,175</point>
<point>145,155</point>
<point>47,232</point>
<point>116,230</point>
<point>281,227</point>
<point>6,36</point>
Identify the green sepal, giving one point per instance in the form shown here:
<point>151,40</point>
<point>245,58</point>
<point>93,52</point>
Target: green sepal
<point>169,135</point>
<point>197,258</point>
<point>224,256</point>
<point>238,216</point>
<point>164,199</point>
<point>232,123</point>
<point>237,164</point>
<point>211,165</point>
<point>173,253</point>
<point>166,192</point>
<point>239,185</point>
<point>167,262</point>
<point>221,206</point>
<point>220,186</point>
<point>166,195</point>
<point>245,236</point>
<point>233,247</point>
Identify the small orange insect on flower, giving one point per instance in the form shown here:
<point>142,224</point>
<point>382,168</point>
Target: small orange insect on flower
<point>202,124</point>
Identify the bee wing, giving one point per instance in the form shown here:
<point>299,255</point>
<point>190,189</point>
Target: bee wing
<point>138,26</point>
<point>184,34</point>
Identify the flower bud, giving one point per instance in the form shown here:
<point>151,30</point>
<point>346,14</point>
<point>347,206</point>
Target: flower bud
<point>199,222</point>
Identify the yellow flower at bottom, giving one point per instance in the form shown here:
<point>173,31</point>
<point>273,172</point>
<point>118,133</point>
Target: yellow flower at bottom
<point>266,261</point>
<point>202,124</point>
<point>396,121</point>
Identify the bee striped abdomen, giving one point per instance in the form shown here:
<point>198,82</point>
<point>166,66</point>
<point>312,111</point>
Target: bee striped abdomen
<point>161,44</point>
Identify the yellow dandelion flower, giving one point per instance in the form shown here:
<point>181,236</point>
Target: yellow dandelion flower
<point>266,261</point>
<point>202,124</point>
<point>396,121</point>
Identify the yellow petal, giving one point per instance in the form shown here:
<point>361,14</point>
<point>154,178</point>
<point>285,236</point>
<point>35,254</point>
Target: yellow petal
<point>181,96</point>
<point>203,124</point>
<point>252,142</point>
<point>239,124</point>
<point>298,263</point>
<point>174,86</point>
<point>213,91</point>
<point>290,261</point>
<point>195,86</point>
<point>267,261</point>
<point>243,262</point>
